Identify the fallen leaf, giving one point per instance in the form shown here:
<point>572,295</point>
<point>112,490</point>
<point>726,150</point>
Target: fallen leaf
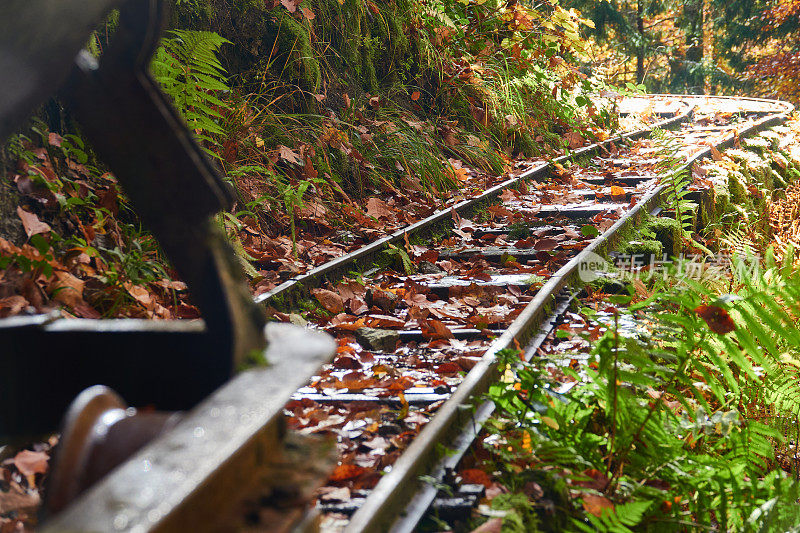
<point>140,294</point>
<point>287,154</point>
<point>291,5</point>
<point>574,139</point>
<point>378,208</point>
<point>31,223</point>
<point>346,472</point>
<point>415,95</point>
<point>12,305</point>
<point>476,476</point>
<point>30,463</point>
<point>597,480</point>
<point>435,330</point>
<point>594,504</point>
<point>331,301</point>
<point>307,13</point>
<point>16,502</point>
<point>66,289</point>
<point>616,190</point>
<point>545,245</point>
<point>717,318</point>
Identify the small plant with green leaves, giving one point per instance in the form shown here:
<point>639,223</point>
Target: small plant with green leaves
<point>188,69</point>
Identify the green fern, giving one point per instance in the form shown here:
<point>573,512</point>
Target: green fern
<point>190,73</point>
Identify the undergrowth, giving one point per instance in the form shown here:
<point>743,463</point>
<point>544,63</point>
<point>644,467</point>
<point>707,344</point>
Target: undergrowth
<point>678,431</point>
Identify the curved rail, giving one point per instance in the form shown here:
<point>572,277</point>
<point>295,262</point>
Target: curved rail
<point>177,489</point>
<point>399,499</point>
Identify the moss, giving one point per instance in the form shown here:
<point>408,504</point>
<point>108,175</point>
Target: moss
<point>668,233</point>
<point>293,53</point>
<point>609,283</point>
<point>757,144</point>
<point>722,201</point>
<point>644,248</point>
<point>370,40</point>
<point>777,180</point>
<point>736,187</point>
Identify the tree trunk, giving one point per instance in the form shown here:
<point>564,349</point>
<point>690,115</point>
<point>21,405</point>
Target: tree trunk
<point>640,48</point>
<point>693,20</point>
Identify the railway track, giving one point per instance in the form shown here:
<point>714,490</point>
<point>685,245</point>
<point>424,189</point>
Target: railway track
<point>418,317</point>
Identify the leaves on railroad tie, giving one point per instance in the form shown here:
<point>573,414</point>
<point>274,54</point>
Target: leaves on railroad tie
<point>435,330</point>
<point>717,318</point>
<point>545,245</point>
<point>616,191</point>
<point>347,471</point>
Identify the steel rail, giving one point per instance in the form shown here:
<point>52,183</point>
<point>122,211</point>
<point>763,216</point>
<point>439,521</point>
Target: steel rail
<point>291,290</point>
<point>399,499</point>
<point>188,476</point>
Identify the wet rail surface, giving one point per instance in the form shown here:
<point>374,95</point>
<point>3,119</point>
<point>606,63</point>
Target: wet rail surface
<point>416,340</point>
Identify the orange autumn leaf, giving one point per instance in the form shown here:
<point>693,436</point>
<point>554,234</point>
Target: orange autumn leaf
<point>415,95</point>
<point>475,476</point>
<point>594,504</point>
<point>717,318</point>
<point>346,472</point>
<point>435,330</point>
<point>615,190</point>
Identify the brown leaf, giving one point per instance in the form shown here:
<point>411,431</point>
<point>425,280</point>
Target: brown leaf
<point>597,480</point>
<point>14,501</point>
<point>717,318</point>
<point>346,472</point>
<point>307,13</point>
<point>574,139</point>
<point>435,330</point>
<point>378,208</point>
<point>329,300</point>
<point>291,5</point>
<point>31,223</point>
<point>545,245</point>
<point>715,154</point>
<point>595,504</point>
<point>66,289</point>
<point>140,294</point>
<point>286,153</point>
<point>415,95</point>
<point>346,98</point>
<point>54,139</point>
<point>476,476</point>
<point>30,463</point>
<point>357,305</point>
<point>12,305</point>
